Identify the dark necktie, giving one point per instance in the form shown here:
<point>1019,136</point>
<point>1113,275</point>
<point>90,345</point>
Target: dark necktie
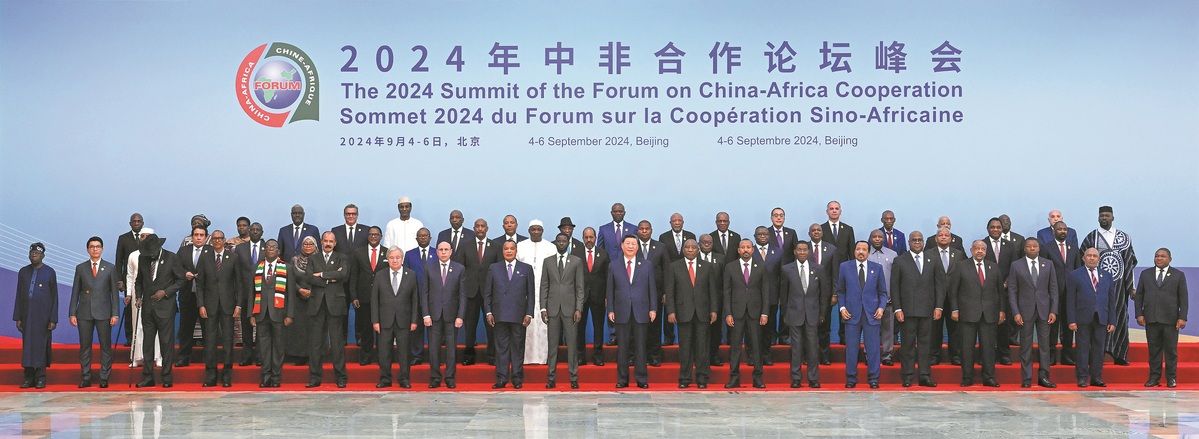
<point>443,273</point>
<point>1161,278</point>
<point>862,275</point>
<point>454,241</point>
<point>218,262</point>
<point>351,235</point>
<point>919,266</point>
<point>779,234</point>
<point>424,255</point>
<point>254,253</point>
<point>1032,268</point>
<point>1094,280</point>
<point>561,265</point>
<point>480,251</point>
<point>745,272</point>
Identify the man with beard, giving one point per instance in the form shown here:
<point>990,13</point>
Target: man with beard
<point>1117,257</point>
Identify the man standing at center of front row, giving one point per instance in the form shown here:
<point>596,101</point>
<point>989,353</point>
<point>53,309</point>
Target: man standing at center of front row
<point>746,289</point>
<point>976,303</point>
<point>561,300</point>
<point>1033,293</point>
<point>862,294</point>
<point>394,293</point>
<point>443,299</point>
<point>508,304</point>
<point>632,306</point>
<point>692,299</point>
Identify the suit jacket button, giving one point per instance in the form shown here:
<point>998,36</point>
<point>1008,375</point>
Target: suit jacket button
<point>87,291</point>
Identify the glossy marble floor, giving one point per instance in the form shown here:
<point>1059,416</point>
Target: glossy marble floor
<point>592,414</point>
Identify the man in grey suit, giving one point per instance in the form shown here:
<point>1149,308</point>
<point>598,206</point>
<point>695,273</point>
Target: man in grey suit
<point>95,308</point>
<point>1161,307</point>
<point>327,270</point>
<point>562,298</point>
<point>394,315</point>
<point>443,299</point>
<point>917,292</point>
<point>803,291</point>
<point>691,298</point>
<point>1032,290</point>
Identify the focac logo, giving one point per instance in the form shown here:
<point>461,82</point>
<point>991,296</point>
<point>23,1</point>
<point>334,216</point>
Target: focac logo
<point>278,85</point>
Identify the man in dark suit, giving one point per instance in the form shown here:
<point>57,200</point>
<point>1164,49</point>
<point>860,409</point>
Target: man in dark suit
<point>803,291</point>
<point>95,308</point>
<point>708,254</point>
<point>326,309</point>
<point>745,298</point>
<point>917,298</point>
<point>1091,306</point>
<point>350,235</point>
<point>1161,307</point>
<point>458,237</point>
<point>824,257</point>
<point>160,276</point>
<point>632,296</point>
<point>128,243</point>
<point>1033,294</point>
<point>508,298</point>
<point>477,261</point>
<point>673,241</point>
<point>509,225</point>
<point>292,235</point>
<point>892,237</point>
<point>1015,238</point>
<point>250,253</point>
<point>365,262</point>
<point>782,237</point>
<point>770,255</point>
<point>189,309</point>
<point>1065,258</point>
<point>275,289</point>
<point>945,257</point>
<point>595,287</point>
<point>562,298</point>
<point>221,292</point>
<point>396,297</point>
<point>416,259</point>
<point>1002,253</point>
<point>444,301</point>
<point>862,294</point>
<point>955,241</point>
<point>565,225</point>
<point>691,296</point>
<point>840,234</point>
<point>976,303</point>
<point>724,241</point>
<point>655,253</point>
<point>1047,236</point>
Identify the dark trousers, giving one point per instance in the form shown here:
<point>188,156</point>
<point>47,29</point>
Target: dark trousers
<point>509,352</point>
<point>1091,337</point>
<point>941,328</point>
<point>746,333</point>
<point>442,332</point>
<point>326,328</point>
<point>770,332</point>
<point>693,350</point>
<point>247,338</point>
<point>669,330</point>
<point>270,350</point>
<point>715,335</point>
<point>916,346</point>
<point>1163,339</point>
<point>86,328</point>
<point>824,333</point>
<point>985,333</point>
<point>164,329</point>
<point>562,327</point>
<point>1044,347</point>
<point>869,335</point>
<point>35,373</point>
<point>1005,333</point>
<point>189,314</point>
<point>127,314</point>
<point>804,347</point>
<point>474,306</point>
<point>596,311</point>
<point>218,331</point>
<point>416,341</point>
<point>399,335</point>
<point>653,335</point>
<point>364,331</point>
<point>1060,331</point>
<point>625,334</point>
<point>886,334</point>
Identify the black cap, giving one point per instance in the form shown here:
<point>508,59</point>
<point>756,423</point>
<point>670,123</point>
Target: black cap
<point>565,222</point>
<point>1103,209</point>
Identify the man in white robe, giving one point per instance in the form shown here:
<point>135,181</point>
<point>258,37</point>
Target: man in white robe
<point>534,251</point>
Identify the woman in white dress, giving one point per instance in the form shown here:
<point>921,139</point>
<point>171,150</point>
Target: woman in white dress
<point>534,251</point>
<point>135,345</point>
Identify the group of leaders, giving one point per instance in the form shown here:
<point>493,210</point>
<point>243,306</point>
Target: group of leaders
<point>291,296</point>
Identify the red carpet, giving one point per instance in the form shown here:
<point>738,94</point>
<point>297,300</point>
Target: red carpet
<point>63,375</point>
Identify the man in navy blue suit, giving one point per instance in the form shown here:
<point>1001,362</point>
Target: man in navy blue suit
<point>1046,236</point>
<point>443,300</point>
<point>508,303</point>
<point>892,237</point>
<point>415,260</point>
<point>632,306</point>
<point>1090,306</point>
<point>291,235</point>
<point>862,294</point>
<point>609,237</point>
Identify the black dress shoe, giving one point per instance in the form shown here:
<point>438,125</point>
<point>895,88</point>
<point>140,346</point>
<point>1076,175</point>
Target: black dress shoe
<point>245,362</point>
<point>1098,382</point>
<point>888,362</point>
<point>1120,361</point>
<point>1044,382</point>
<point>732,384</point>
<point>1171,382</point>
<point>643,385</point>
<point>551,384</point>
<point>29,383</point>
<point>103,384</point>
<point>1082,383</point>
<point>275,383</point>
<point>450,384</point>
<point>956,361</point>
<point>966,383</point>
<point>990,382</point>
<point>574,384</point>
<point>433,384</point>
<point>1068,361</point>
<point>826,362</point>
<point>1025,384</point>
<point>405,384</point>
<point>341,384</point>
<point>927,383</point>
<point>598,362</point>
<point>717,362</point>
<point>873,385</point>
<point>209,384</point>
<point>312,384</point>
<point>499,385</point>
<point>468,361</point>
<point>768,362</point>
<point>684,386</point>
<point>417,361</point>
<point>167,385</point>
<point>1153,383</point>
<point>655,363</point>
<point>363,361</point>
<point>758,384</point>
<point>85,384</point>
<point>1053,361</point>
<point>622,385</point>
<point>182,363</point>
<point>814,384</point>
<point>147,382</point>
<point>491,362</point>
<point>935,361</point>
<point>612,341</point>
<point>263,385</point>
<point>850,385</point>
<point>907,383</point>
<point>383,384</point>
<point>1005,361</point>
<point>41,384</point>
<point>795,384</point>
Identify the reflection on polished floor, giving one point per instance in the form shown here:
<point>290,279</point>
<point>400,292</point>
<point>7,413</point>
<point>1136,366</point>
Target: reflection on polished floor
<point>596,414</point>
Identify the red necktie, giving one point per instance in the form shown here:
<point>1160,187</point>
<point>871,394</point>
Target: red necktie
<point>890,243</point>
<point>629,268</point>
<point>590,260</point>
<point>1063,247</point>
<point>1094,281</point>
<point>480,251</point>
<point>817,255</point>
<point>981,280</point>
<point>374,257</point>
<point>93,269</point>
<point>691,271</point>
